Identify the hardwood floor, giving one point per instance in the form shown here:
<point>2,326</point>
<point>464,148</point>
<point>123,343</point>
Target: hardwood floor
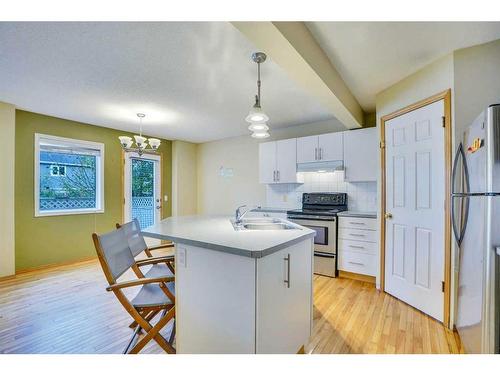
<point>67,310</point>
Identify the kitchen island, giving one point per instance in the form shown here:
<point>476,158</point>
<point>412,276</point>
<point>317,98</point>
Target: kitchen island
<point>240,290</point>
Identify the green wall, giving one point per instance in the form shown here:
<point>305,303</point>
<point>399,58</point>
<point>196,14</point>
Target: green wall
<point>57,239</point>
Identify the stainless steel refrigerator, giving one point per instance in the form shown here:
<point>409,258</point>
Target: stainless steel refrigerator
<point>476,226</point>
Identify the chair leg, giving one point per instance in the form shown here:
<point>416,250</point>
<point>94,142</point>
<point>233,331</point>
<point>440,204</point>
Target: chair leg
<point>133,339</point>
<point>153,333</point>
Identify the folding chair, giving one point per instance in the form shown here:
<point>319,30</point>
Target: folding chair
<point>156,294</point>
<point>161,266</point>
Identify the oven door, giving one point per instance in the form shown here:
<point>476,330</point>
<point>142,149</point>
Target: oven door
<point>325,240</point>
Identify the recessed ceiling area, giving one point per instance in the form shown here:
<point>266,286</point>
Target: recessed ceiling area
<point>371,56</point>
<point>195,81</point>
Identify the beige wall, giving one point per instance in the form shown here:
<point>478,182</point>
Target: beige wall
<point>184,178</point>
<point>221,193</point>
<point>7,234</point>
<point>477,82</point>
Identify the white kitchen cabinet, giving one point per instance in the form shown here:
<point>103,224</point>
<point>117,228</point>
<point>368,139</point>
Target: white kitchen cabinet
<point>331,146</point>
<point>358,245</point>
<point>361,155</point>
<point>283,284</point>
<point>277,162</point>
<point>307,149</point>
<point>324,147</point>
<point>267,162</point>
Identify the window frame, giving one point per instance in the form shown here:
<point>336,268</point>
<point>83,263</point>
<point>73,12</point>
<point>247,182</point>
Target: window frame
<point>99,176</point>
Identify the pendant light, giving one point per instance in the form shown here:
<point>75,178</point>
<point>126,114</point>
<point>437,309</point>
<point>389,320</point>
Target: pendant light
<point>140,141</point>
<point>257,117</point>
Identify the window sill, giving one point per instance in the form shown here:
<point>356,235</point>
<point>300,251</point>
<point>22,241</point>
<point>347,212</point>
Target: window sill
<point>69,212</point>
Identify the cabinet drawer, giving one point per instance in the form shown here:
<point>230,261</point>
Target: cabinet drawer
<point>358,223</point>
<point>358,246</point>
<point>363,264</point>
<point>358,234</point>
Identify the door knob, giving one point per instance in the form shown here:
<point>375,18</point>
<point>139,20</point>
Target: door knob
<point>388,215</point>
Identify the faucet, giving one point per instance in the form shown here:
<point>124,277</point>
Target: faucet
<point>238,215</point>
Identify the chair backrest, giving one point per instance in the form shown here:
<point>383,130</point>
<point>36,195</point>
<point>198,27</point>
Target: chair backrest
<point>114,253</point>
<point>134,236</point>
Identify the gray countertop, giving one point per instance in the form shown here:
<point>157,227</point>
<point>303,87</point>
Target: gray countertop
<point>217,233</point>
<point>370,215</point>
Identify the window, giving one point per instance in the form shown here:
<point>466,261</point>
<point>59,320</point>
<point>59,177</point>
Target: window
<point>69,176</point>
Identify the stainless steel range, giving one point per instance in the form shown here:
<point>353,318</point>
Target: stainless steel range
<point>319,213</point>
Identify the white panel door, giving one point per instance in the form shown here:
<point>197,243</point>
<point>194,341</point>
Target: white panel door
<point>286,164</point>
<point>267,162</point>
<point>415,196</point>
<point>331,146</point>
<point>307,149</point>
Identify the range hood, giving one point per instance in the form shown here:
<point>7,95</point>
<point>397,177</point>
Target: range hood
<point>321,166</point>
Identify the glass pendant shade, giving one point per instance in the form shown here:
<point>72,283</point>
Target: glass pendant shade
<point>125,141</point>
<point>257,116</point>
<point>139,140</point>
<point>260,135</point>
<point>258,127</point>
<point>154,143</point>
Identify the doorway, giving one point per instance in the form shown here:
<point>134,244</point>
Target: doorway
<point>415,206</point>
<point>142,188</point>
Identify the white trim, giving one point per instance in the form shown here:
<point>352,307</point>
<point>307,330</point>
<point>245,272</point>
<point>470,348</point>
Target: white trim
<point>99,173</point>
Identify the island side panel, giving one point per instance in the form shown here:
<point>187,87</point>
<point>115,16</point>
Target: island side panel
<point>284,314</point>
<point>215,301</point>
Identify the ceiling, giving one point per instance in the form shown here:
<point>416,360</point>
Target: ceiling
<point>371,56</point>
<point>194,81</point>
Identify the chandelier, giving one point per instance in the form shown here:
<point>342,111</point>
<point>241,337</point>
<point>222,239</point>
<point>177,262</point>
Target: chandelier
<point>257,117</point>
<point>141,143</point>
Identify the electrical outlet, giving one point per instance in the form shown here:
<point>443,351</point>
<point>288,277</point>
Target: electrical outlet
<point>180,255</point>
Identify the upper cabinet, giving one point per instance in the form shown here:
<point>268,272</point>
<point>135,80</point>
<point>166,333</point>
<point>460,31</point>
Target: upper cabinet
<point>325,147</point>
<point>277,162</point>
<point>361,155</point>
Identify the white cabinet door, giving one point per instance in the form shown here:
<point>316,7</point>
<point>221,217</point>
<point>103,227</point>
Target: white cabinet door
<point>361,155</point>
<point>267,162</point>
<point>280,306</point>
<point>307,149</point>
<point>286,164</point>
<point>331,147</point>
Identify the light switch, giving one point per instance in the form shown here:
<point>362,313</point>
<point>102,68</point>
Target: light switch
<point>180,255</point>
<point>165,198</point>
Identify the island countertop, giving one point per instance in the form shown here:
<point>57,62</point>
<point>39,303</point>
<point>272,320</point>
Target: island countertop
<point>217,233</point>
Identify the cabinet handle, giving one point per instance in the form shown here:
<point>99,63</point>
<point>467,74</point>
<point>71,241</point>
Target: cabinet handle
<point>355,223</point>
<point>356,235</point>
<point>274,176</point>
<point>316,153</point>
<point>356,263</point>
<point>287,280</point>
<point>320,153</point>
<point>279,177</point>
<point>356,247</point>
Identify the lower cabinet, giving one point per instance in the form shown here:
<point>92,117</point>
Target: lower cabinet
<point>226,303</point>
<point>358,245</point>
<point>284,303</point>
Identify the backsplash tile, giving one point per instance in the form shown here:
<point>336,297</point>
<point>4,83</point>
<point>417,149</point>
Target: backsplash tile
<point>361,196</point>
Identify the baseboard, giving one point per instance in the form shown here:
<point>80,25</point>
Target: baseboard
<point>56,265</point>
<point>357,276</point>
<point>5,278</point>
<point>301,350</point>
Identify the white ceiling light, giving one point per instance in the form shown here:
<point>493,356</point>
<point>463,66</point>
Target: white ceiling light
<point>140,141</point>
<point>257,117</point>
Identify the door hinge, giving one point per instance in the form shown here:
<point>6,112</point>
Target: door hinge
<point>442,286</point>
<point>444,121</point>
<point>382,144</point>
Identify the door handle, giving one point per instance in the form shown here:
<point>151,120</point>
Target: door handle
<point>316,153</point>
<point>388,215</point>
<point>158,207</point>
<point>287,280</point>
<point>320,153</point>
<point>274,176</point>
<point>278,175</point>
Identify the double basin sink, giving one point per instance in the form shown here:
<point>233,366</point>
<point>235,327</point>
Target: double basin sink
<point>263,224</point>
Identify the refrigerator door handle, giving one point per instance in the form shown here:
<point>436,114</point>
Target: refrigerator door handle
<point>459,233</point>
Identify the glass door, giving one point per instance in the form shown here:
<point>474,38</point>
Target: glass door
<point>142,188</point>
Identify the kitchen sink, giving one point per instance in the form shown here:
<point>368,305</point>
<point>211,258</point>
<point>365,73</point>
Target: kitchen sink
<point>263,224</point>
